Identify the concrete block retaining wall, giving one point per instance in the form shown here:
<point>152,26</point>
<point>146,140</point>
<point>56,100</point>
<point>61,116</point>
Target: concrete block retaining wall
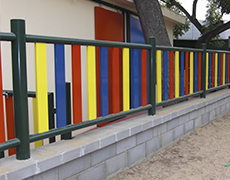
<point>102,153</point>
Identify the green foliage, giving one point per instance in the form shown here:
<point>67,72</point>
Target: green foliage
<point>179,30</point>
<point>224,5</point>
<point>216,43</point>
<point>213,16</point>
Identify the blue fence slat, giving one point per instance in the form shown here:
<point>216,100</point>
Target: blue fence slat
<point>104,81</point>
<point>195,71</point>
<point>182,73</point>
<point>165,75</point>
<point>134,79</point>
<point>210,69</point>
<point>60,85</point>
<point>218,71</point>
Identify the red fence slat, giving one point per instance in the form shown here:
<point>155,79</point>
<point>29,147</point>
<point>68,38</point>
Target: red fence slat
<point>171,74</point>
<point>76,84</point>
<point>10,121</point>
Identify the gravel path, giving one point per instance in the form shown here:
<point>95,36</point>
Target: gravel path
<point>201,155</point>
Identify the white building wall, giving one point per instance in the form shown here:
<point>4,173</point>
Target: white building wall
<point>63,18</point>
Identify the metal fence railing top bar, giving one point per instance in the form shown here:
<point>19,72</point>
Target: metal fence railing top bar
<point>168,48</point>
<point>71,41</point>
<point>217,51</point>
<point>10,144</point>
<point>7,36</point>
<point>179,98</point>
<point>29,93</point>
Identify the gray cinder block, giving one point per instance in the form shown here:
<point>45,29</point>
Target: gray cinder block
<point>50,174</point>
<point>73,167</point>
<point>183,119</point>
<point>206,118</point>
<point>198,122</point>
<point>188,126</point>
<point>126,144</point>
<point>144,136</point>
<point>116,163</point>
<point>153,145</point>
<point>103,142</point>
<point>22,173</point>
<point>90,147</point>
<point>212,115</point>
<point>178,132</point>
<point>167,138</point>
<point>172,123</point>
<point>136,154</point>
<point>136,129</point>
<point>95,173</point>
<point>103,154</point>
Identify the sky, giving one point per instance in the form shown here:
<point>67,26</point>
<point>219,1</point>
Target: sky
<point>201,8</point>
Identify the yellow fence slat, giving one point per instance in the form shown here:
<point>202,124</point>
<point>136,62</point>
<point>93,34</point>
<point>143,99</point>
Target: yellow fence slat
<point>35,115</point>
<point>159,86</point>
<point>126,88</point>
<point>41,87</point>
<point>216,66</point>
<point>177,78</point>
<point>91,82</point>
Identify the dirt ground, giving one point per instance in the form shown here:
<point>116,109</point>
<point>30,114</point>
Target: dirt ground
<point>201,155</point>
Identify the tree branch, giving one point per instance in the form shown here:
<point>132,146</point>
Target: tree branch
<point>206,37</point>
<point>194,8</point>
<point>191,18</point>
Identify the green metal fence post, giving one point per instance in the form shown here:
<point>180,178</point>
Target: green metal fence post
<point>2,155</point>
<point>20,89</point>
<point>68,111</point>
<point>203,72</point>
<point>152,76</point>
<point>51,114</point>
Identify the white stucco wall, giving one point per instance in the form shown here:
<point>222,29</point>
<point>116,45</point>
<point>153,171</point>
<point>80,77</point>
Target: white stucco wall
<point>64,18</point>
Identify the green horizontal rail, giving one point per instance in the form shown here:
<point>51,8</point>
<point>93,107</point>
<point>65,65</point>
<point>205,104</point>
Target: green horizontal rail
<point>166,48</point>
<point>217,88</point>
<point>7,36</point>
<point>72,127</point>
<point>179,98</point>
<point>71,41</point>
<point>29,93</point>
<point>10,144</point>
<point>216,51</point>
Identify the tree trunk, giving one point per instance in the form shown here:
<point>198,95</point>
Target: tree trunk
<point>152,21</point>
<point>206,37</point>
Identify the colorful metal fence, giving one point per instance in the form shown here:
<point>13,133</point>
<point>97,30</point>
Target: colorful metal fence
<point>120,81</point>
<point>40,102</point>
<point>181,72</point>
